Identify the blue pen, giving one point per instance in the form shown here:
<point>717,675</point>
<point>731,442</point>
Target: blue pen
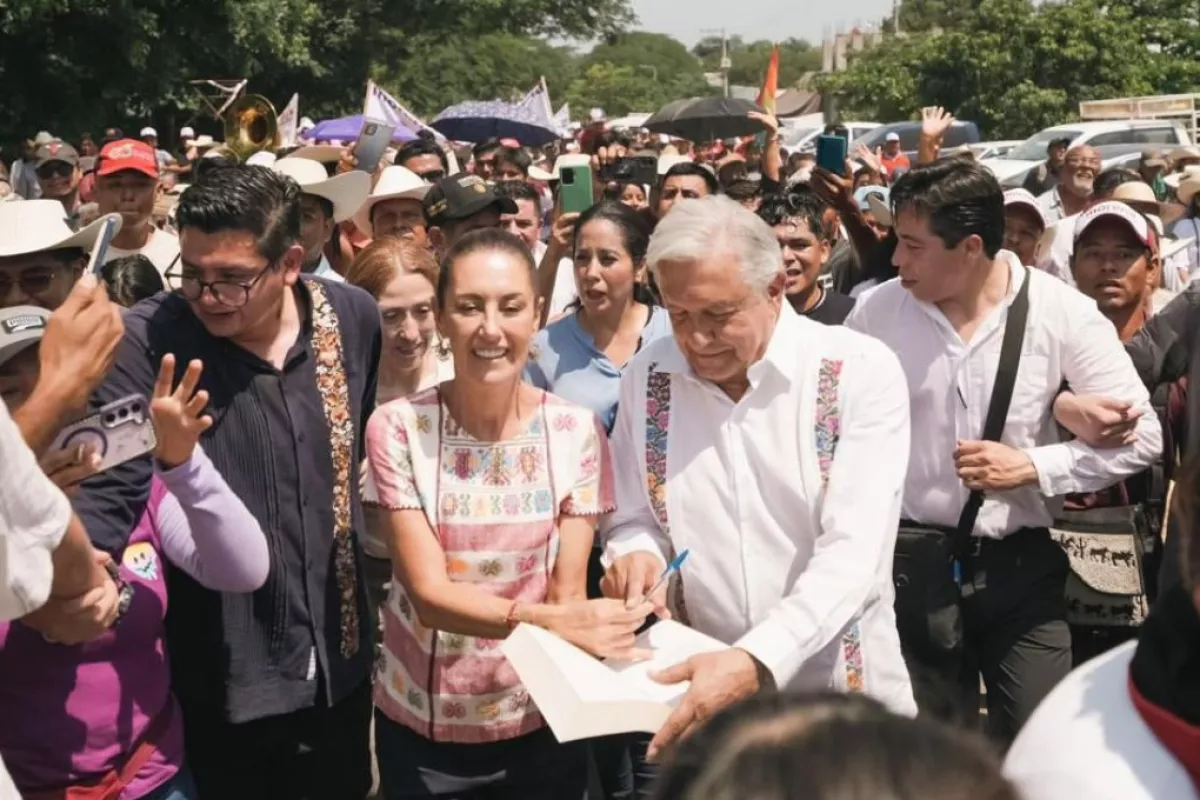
<point>671,569</point>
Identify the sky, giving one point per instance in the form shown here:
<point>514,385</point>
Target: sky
<point>756,19</point>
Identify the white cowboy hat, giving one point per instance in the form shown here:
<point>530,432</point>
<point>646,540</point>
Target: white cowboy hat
<point>323,153</point>
<point>346,192</point>
<point>204,140</point>
<point>395,183</point>
<point>537,173</point>
<point>263,158</point>
<point>36,226</point>
<point>665,162</point>
<point>879,207</point>
<point>1186,190</point>
<point>1176,178</point>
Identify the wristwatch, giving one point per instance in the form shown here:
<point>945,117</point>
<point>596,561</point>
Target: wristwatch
<point>124,591</point>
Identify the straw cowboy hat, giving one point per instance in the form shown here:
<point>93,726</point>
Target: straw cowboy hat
<point>1176,178</point>
<point>395,183</point>
<point>324,153</point>
<point>880,208</point>
<point>1186,189</point>
<point>346,192</point>
<point>36,226</point>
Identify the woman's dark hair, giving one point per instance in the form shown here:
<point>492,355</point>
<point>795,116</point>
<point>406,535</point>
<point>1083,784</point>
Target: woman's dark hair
<point>131,279</point>
<point>245,198</point>
<point>486,146</point>
<point>1107,181</point>
<point>421,147</point>
<point>785,746</point>
<point>743,190</point>
<point>800,203</point>
<point>959,198</point>
<point>615,190</point>
<point>692,168</point>
<point>515,156</point>
<point>484,239</point>
<point>635,236</point>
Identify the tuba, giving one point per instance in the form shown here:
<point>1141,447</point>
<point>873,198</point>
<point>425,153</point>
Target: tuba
<point>250,127</point>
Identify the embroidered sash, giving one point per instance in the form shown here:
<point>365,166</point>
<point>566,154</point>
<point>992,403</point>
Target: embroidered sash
<point>335,397</point>
<point>658,425</point>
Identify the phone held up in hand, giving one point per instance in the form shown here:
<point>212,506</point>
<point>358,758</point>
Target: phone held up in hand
<point>831,153</point>
<point>373,141</point>
<point>96,261</point>
<point>120,431</point>
<point>575,183</point>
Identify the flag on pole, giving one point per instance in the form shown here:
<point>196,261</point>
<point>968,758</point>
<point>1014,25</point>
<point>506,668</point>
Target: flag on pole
<point>562,118</point>
<point>288,122</point>
<point>381,105</point>
<point>770,87</point>
<point>537,100</point>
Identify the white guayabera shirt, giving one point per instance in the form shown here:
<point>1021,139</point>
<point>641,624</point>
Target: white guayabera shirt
<point>788,500</point>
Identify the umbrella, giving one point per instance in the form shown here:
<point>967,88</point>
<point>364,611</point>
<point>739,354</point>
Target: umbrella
<point>347,129</point>
<point>704,119</point>
<point>478,121</point>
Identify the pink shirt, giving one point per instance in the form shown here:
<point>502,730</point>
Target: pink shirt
<point>495,508</point>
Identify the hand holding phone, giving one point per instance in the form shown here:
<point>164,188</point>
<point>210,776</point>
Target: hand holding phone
<point>80,344</point>
<point>108,229</point>
<point>831,153</point>
<point>118,432</point>
<point>373,141</point>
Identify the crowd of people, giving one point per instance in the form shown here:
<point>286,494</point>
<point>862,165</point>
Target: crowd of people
<point>922,438</point>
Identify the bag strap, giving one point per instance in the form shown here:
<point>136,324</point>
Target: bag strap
<point>1002,390</point>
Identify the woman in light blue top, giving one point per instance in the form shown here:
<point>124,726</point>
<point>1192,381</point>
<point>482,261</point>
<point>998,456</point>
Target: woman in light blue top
<point>580,356</point>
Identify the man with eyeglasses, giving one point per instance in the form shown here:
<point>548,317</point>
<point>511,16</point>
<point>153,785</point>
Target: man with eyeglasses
<point>274,686</point>
<point>1076,180</point>
<point>57,166</point>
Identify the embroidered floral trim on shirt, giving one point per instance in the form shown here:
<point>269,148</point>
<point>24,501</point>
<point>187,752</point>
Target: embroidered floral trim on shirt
<point>828,430</point>
<point>335,396</point>
<point>658,423</point>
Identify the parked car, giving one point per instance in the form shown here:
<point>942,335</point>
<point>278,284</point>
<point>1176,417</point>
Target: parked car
<point>797,140</point>
<point>1032,152</point>
<point>985,150</point>
<point>960,133</point>
<point>1111,155</point>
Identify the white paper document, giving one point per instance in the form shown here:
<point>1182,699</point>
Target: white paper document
<point>581,696</point>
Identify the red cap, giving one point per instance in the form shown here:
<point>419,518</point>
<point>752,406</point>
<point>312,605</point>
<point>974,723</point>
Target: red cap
<point>126,154</point>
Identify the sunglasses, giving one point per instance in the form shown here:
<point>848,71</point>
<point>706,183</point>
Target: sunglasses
<point>55,169</point>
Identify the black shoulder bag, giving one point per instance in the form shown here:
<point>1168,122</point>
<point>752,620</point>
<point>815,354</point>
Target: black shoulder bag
<point>928,563</point>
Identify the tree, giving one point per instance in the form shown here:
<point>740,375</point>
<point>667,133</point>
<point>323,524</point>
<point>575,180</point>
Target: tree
<point>749,60</point>
<point>917,16</point>
<point>1012,67</point>
<point>659,55</point>
<point>71,65</point>
<point>622,89</point>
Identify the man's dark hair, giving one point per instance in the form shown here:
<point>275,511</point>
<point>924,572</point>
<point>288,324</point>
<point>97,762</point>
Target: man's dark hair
<point>692,168</point>
<point>1061,141</point>
<point>131,279</point>
<point>245,198</point>
<point>743,190</point>
<point>520,190</point>
<point>959,198</point>
<point>485,147</point>
<point>799,203</point>
<point>515,156</point>
<point>1107,181</point>
<point>324,204</point>
<point>421,147</point>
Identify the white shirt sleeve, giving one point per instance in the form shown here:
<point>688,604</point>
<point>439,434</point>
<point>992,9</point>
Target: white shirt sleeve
<point>1095,362</point>
<point>860,513</point>
<point>632,527</point>
<point>34,516</point>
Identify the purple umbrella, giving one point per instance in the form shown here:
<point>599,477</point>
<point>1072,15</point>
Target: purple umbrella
<point>347,129</point>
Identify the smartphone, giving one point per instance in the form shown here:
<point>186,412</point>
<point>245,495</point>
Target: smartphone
<point>120,431</point>
<point>575,188</point>
<point>373,141</point>
<point>831,153</point>
<point>107,232</point>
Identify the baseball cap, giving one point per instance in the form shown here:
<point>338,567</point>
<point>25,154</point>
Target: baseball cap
<point>864,193</point>
<point>462,196</point>
<point>128,154</point>
<point>892,137</point>
<point>148,131</point>
<point>20,328</point>
<point>187,132</point>
<point>1110,209</point>
<point>1021,197</point>
<point>55,151</point>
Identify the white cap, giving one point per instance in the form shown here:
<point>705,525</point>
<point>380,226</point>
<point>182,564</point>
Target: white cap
<point>892,137</point>
<point>1111,209</point>
<point>596,115</point>
<point>186,132</point>
<point>1020,197</point>
<point>148,131</point>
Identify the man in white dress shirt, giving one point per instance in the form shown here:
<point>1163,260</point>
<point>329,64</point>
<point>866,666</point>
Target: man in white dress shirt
<point>773,448</point>
<point>945,316</point>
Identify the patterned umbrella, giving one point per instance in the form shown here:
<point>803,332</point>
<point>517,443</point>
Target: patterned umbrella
<point>347,129</point>
<point>478,121</point>
<point>704,119</point>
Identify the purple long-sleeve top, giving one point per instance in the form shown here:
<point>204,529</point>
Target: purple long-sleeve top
<point>71,714</point>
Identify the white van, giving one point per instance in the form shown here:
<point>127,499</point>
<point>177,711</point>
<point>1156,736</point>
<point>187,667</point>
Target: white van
<point>1012,166</point>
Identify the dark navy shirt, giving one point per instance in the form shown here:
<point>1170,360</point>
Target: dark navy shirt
<point>245,656</point>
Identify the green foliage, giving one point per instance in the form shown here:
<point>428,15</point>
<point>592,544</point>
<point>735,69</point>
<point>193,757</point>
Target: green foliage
<point>749,59</point>
<point>622,88</point>
<point>1015,67</point>
<point>74,65</point>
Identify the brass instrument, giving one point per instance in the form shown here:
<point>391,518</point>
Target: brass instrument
<point>250,127</point>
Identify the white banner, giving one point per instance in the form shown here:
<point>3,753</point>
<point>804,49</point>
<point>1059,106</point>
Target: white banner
<point>538,100</point>
<point>562,118</point>
<point>381,105</point>
<point>288,122</point>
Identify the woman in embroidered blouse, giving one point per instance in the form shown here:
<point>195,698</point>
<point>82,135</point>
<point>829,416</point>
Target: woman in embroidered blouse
<point>492,489</point>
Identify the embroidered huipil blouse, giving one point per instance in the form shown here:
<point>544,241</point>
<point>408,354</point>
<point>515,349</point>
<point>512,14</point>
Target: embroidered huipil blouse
<point>788,500</point>
<point>495,508</point>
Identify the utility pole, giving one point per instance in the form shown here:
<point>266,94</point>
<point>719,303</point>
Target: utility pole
<point>895,16</point>
<point>726,64</point>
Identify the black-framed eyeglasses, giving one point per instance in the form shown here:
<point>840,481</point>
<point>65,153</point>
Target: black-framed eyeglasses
<point>34,281</point>
<point>55,169</point>
<point>232,294</point>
